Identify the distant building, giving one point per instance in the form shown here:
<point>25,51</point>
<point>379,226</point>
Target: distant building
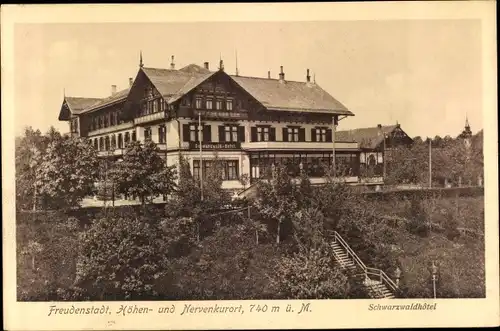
<point>372,145</point>
<point>466,134</point>
<point>250,122</point>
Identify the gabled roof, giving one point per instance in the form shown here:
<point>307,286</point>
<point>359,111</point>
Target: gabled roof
<point>77,104</point>
<point>173,84</point>
<point>291,95</point>
<point>74,106</point>
<point>366,137</point>
<point>117,97</point>
<point>271,93</point>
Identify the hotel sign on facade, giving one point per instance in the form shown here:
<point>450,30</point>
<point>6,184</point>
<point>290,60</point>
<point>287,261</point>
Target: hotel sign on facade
<point>220,114</point>
<point>215,145</point>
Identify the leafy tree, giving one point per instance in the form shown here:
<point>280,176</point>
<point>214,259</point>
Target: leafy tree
<point>121,257</point>
<point>143,172</point>
<point>28,149</point>
<point>67,172</point>
<point>276,199</point>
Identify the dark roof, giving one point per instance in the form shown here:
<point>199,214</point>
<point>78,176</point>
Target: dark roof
<point>118,96</point>
<point>366,137</point>
<point>290,95</point>
<point>77,104</point>
<point>173,84</point>
<point>271,93</point>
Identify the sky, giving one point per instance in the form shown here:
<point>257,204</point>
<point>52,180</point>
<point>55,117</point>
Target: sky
<point>423,74</point>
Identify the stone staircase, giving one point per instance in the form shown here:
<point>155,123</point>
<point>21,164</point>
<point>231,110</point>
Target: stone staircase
<point>375,281</point>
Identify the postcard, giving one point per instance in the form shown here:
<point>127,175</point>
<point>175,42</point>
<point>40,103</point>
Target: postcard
<point>249,166</point>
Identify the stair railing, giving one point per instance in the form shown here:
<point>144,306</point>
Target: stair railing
<point>379,274</point>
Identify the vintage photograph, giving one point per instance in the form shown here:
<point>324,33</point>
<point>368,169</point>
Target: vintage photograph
<point>249,160</point>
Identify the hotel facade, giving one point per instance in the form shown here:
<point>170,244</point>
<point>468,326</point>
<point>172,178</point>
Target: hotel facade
<point>248,123</point>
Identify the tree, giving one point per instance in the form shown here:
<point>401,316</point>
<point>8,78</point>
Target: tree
<point>143,172</point>
<point>67,172</point>
<point>121,257</point>
<point>28,150</point>
<point>276,199</point>
<point>187,199</point>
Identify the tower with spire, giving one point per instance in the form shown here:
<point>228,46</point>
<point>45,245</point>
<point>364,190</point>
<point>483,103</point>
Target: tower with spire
<point>466,134</point>
<point>140,60</point>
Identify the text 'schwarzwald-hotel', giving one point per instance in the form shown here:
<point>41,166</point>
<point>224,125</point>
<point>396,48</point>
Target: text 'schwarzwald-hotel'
<point>249,123</point>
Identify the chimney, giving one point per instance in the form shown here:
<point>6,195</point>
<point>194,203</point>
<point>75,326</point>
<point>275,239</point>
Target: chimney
<point>308,78</point>
<point>379,126</point>
<point>113,89</point>
<point>269,75</point>
<point>172,64</point>
<point>206,65</point>
<point>221,65</point>
<point>130,81</point>
<point>282,75</point>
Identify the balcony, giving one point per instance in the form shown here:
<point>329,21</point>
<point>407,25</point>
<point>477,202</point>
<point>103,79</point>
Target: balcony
<point>149,118</point>
<point>115,152</point>
<point>119,127</point>
<point>292,145</point>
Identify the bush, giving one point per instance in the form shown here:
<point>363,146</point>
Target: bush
<point>226,266</point>
<point>46,254</point>
<point>121,257</point>
<point>309,274</point>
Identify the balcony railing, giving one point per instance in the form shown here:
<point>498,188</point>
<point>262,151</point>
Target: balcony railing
<point>122,126</point>
<point>149,118</point>
<point>292,145</point>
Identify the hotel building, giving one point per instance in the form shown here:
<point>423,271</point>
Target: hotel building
<point>249,123</point>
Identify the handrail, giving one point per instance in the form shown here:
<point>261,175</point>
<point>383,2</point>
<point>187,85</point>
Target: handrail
<point>384,278</point>
<point>349,250</point>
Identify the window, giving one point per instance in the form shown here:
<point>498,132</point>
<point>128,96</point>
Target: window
<point>162,134</point>
<point>196,169</point>
<point>231,133</point>
<point>218,104</point>
<point>198,103</point>
<point>112,119</point>
<point>209,104</point>
<point>147,134</point>
<point>134,136</point>
<point>293,134</point>
<point>229,104</point>
<point>184,102</point>
<point>320,135</point>
<point>232,170</point>
<point>101,143</point>
<point>229,169</point>
<point>96,144</point>
<point>193,132</point>
<point>262,133</point>
<point>120,140</point>
<point>127,138</point>
<point>106,143</point>
<point>113,142</point>
<point>155,105</point>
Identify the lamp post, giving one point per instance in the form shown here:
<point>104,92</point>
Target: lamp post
<point>397,274</point>
<point>430,162</point>
<point>434,272</point>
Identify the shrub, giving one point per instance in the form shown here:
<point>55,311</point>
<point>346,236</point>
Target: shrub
<point>121,257</point>
<point>46,254</point>
<point>309,274</point>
